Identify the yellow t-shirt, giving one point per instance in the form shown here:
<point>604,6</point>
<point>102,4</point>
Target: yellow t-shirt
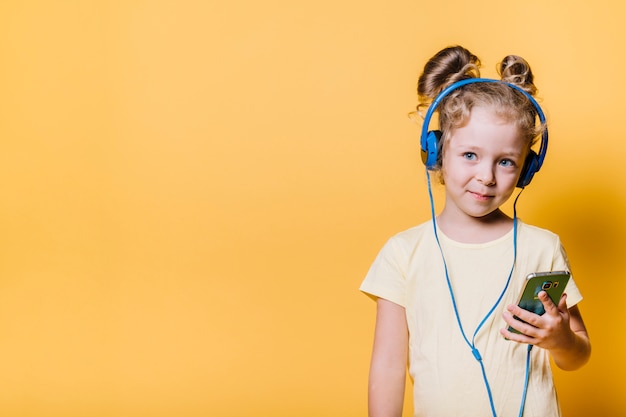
<point>447,378</point>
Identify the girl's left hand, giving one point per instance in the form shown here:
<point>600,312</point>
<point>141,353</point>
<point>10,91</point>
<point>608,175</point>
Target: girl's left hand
<point>549,331</point>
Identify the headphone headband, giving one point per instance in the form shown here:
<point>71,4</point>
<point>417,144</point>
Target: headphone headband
<point>429,139</point>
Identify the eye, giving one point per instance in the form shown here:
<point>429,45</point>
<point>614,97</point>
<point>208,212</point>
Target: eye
<point>470,156</point>
<point>507,163</point>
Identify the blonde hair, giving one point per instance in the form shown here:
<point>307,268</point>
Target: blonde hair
<point>456,63</point>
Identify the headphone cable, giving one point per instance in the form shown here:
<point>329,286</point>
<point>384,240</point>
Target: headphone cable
<point>472,344</point>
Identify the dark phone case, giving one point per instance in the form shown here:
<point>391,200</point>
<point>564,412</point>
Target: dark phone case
<point>552,282</point>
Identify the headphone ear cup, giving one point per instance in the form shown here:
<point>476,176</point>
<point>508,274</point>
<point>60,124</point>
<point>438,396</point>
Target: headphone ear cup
<point>430,153</point>
<point>531,166</point>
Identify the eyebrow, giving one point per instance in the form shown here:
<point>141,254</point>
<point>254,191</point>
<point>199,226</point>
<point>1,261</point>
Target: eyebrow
<point>474,148</point>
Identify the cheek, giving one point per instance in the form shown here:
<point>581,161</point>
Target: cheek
<point>509,179</point>
<point>450,175</point>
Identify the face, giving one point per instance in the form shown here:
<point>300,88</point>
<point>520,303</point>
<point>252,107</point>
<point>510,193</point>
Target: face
<point>482,161</point>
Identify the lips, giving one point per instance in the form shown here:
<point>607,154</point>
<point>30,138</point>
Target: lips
<point>481,197</point>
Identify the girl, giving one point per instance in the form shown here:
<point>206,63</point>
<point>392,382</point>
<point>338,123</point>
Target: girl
<point>446,290</point>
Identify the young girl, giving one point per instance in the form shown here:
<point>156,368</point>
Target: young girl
<point>447,289</point>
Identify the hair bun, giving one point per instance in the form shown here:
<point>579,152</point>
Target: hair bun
<point>448,66</point>
<point>515,70</point>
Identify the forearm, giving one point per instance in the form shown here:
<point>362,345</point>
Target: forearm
<point>576,350</point>
<point>389,361</point>
<point>386,391</point>
<point>575,354</point>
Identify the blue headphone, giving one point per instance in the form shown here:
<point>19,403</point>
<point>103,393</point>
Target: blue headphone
<point>429,139</point>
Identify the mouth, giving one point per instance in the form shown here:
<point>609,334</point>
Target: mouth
<point>480,197</point>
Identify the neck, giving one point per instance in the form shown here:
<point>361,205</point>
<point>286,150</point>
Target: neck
<point>467,229</point>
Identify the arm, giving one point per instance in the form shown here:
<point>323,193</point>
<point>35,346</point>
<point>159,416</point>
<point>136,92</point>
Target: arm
<point>389,360</point>
<point>559,330</point>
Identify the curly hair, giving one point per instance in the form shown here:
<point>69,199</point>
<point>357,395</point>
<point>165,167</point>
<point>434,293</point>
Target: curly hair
<point>456,63</point>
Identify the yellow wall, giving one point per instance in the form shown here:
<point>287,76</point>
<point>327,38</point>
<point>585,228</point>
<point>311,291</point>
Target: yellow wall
<point>192,191</point>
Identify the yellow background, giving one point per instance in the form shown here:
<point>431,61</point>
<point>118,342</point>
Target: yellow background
<point>192,192</point>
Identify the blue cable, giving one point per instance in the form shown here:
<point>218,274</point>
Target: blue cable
<point>521,410</point>
<point>472,344</point>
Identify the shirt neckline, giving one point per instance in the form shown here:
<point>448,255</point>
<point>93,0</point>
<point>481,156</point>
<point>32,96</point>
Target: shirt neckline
<point>505,237</point>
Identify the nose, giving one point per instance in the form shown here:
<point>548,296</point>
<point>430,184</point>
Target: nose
<point>485,174</point>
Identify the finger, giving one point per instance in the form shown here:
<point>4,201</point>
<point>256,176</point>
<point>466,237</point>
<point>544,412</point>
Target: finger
<point>563,302</point>
<point>523,314</point>
<point>516,337</point>
<point>548,304</point>
<point>522,327</point>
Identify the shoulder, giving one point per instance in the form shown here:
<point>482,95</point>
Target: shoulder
<point>543,245</point>
<point>388,274</point>
<point>414,234</point>
<point>406,241</point>
<point>403,245</point>
<point>536,234</point>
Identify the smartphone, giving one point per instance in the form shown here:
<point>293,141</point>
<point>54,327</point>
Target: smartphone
<point>552,282</point>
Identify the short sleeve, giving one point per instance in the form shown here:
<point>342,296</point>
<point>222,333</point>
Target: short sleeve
<point>561,262</point>
<point>386,277</point>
